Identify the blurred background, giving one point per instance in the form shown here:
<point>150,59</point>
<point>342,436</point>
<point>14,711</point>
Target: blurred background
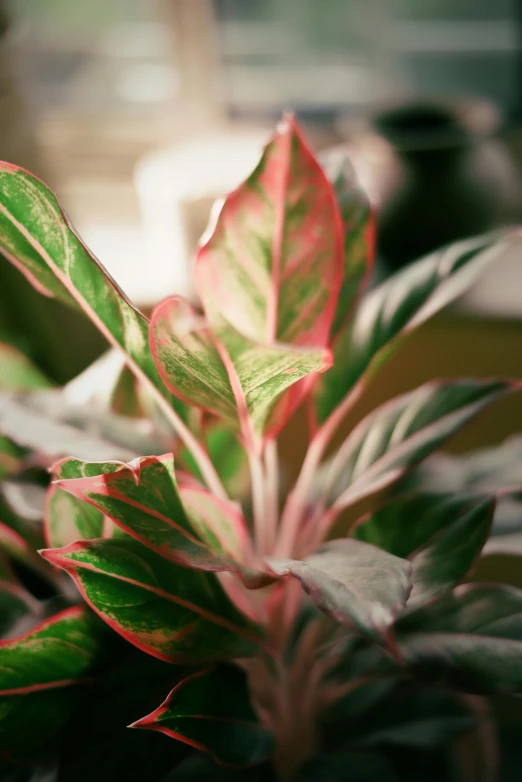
<point>139,113</point>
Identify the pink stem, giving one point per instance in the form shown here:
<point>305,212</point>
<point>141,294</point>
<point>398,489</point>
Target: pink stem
<point>296,504</point>
<point>272,493</point>
<point>258,502</point>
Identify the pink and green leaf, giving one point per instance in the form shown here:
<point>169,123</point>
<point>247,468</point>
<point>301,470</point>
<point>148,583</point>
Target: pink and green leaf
<point>174,613</point>
<point>68,519</point>
<point>38,238</point>
<point>42,677</point>
<point>190,527</point>
<point>211,711</point>
<point>273,263</point>
<point>389,313</point>
<point>228,374</point>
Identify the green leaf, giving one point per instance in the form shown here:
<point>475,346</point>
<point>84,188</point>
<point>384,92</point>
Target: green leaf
<point>415,720</point>
<point>227,374</point>
<point>38,238</point>
<point>43,676</point>
<point>195,529</point>
<point>354,583</point>
<point>403,431</point>
<point>443,534</point>
<point>496,470</point>
<point>211,711</point>
<point>446,561</point>
<point>272,266</point>
<point>390,312</point>
<point>359,239</point>
<point>17,372</point>
<point>171,612</point>
<point>11,457</point>
<point>470,640</point>
<point>228,457</point>
<point>97,744</point>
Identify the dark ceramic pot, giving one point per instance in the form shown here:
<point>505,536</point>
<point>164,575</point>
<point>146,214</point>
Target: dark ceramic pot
<point>440,173</point>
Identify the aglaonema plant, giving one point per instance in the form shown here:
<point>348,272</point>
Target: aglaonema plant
<point>271,639</point>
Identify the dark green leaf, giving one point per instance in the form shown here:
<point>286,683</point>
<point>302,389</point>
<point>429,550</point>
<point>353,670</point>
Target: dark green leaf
<point>443,533</point>
<point>391,311</point>
<point>43,676</point>
<point>211,710</point>
<point>404,431</point>
<point>471,639</point>
<point>98,745</point>
<point>421,719</point>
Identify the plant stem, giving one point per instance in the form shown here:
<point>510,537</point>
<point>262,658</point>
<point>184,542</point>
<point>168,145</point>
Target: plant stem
<point>297,501</point>
<point>258,502</point>
<point>207,469</point>
<point>272,493</point>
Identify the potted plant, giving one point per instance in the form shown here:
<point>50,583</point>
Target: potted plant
<point>242,628</point>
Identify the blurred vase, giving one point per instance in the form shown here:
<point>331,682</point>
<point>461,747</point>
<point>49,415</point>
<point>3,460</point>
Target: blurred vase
<point>438,173</point>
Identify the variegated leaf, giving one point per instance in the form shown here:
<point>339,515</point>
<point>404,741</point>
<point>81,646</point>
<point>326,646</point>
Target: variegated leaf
<point>226,373</point>
<point>43,676</point>
<point>390,312</point>
<point>211,711</point>
<point>442,534</point>
<point>38,238</point>
<point>175,613</point>
<point>404,431</point>
<point>68,519</point>
<point>273,263</point>
<point>190,527</point>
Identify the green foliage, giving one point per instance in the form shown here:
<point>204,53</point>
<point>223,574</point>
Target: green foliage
<point>158,576</point>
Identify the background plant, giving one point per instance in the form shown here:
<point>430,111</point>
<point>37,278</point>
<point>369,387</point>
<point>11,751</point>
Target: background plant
<point>292,642</point>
